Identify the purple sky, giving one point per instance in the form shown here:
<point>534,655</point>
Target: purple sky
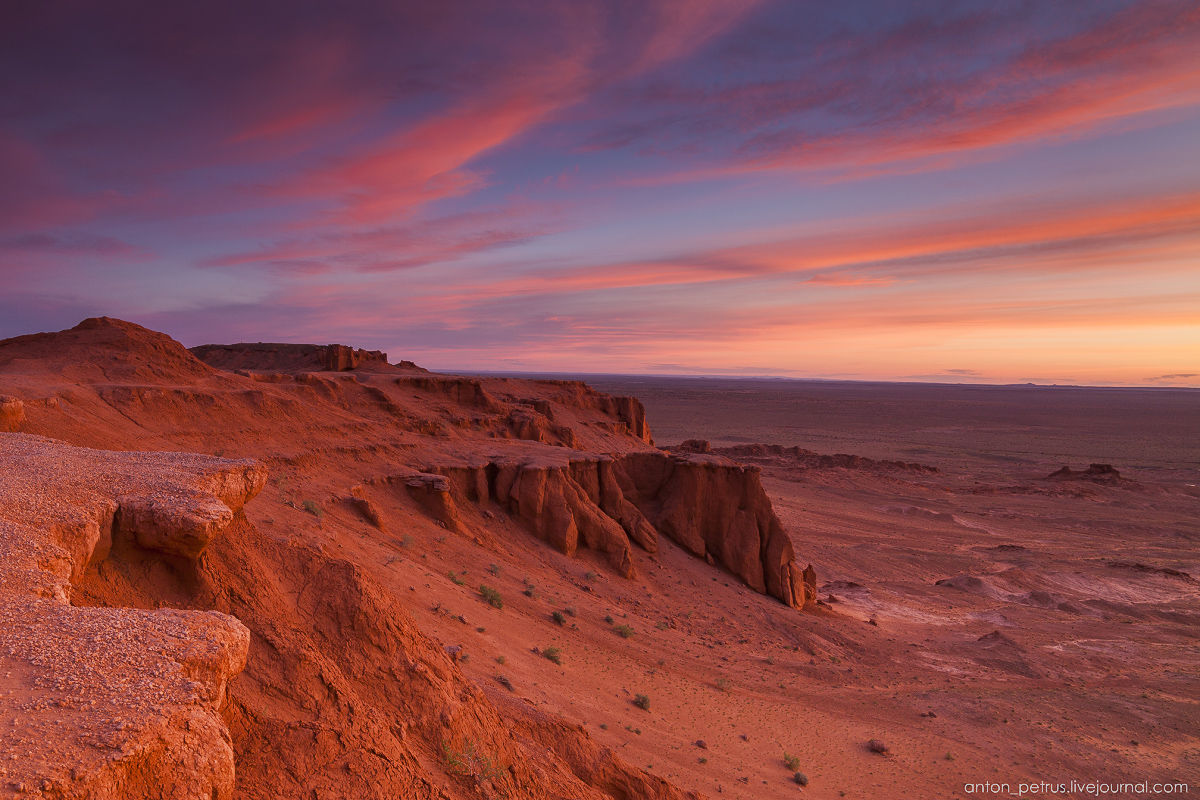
<point>929,190</point>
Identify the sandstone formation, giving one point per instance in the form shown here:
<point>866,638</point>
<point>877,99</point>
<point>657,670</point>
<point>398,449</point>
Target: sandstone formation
<point>112,702</point>
<point>710,506</point>
<point>276,356</point>
<point>1094,472</point>
<point>343,693</point>
<point>12,413</point>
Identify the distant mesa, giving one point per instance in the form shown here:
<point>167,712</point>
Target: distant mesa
<point>1095,472</point>
<point>280,357</point>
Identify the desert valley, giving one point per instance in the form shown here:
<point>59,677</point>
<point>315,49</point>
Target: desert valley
<point>302,571</point>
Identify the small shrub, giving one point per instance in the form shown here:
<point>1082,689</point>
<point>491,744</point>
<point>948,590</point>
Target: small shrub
<point>553,654</point>
<point>529,592</point>
<point>481,629</point>
<point>505,682</point>
<point>800,778</point>
<point>702,760</point>
<point>471,761</point>
<point>406,542</point>
<point>491,595</point>
<point>558,618</point>
<point>724,685</point>
<point>313,508</point>
<point>457,580</point>
<point>661,625</point>
<point>569,611</point>
<point>949,757</point>
<point>591,576</point>
<point>501,660</point>
<point>625,631</point>
<point>792,762</point>
<point>494,569</point>
<point>877,746</point>
<point>603,726</point>
<point>642,701</point>
<point>609,619</point>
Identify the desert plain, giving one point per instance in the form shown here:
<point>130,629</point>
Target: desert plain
<point>294,571</point>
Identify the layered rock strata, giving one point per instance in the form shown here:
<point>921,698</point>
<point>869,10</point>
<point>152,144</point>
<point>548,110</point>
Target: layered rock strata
<point>712,507</point>
<point>276,355</point>
<point>112,702</point>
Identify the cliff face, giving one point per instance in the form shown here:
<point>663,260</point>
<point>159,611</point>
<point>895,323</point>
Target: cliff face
<point>278,356</point>
<point>342,693</point>
<point>712,507</point>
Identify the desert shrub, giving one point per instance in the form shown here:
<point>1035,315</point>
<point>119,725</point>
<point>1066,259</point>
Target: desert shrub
<point>724,685</point>
<point>406,542</point>
<point>608,618</point>
<point>558,618</point>
<point>877,746</point>
<point>661,625</point>
<point>457,580</point>
<point>702,760</point>
<point>642,701</point>
<point>792,762</point>
<point>553,654</point>
<point>800,778</point>
<point>529,592</point>
<point>494,569</point>
<point>625,631</point>
<point>491,595</point>
<point>313,508</point>
<point>472,762</point>
<point>569,611</point>
<point>501,660</point>
<point>505,682</point>
<point>591,576</point>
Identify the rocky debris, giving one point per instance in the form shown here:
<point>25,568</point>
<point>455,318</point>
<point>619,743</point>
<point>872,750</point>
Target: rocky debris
<point>877,746</point>
<point>121,702</point>
<point>12,413</point>
<point>799,457</point>
<point>282,357</point>
<point>1095,472</point>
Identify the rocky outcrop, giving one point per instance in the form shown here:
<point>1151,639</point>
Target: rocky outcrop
<point>1094,472</point>
<point>577,394</point>
<point>112,702</point>
<point>465,391</point>
<point>12,413</point>
<point>712,507</point>
<point>280,357</point>
<point>774,454</point>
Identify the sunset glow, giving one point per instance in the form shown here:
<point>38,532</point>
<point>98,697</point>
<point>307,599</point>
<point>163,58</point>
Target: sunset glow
<point>874,191</point>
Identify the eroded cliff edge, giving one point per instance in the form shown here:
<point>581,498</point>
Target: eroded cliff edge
<point>112,702</point>
<point>342,692</point>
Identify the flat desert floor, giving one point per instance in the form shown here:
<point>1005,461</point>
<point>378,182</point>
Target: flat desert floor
<point>986,623</point>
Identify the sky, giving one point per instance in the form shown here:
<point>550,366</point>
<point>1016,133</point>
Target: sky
<point>946,191</point>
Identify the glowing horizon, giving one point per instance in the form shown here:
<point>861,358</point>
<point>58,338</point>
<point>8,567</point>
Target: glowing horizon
<point>1007,194</point>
